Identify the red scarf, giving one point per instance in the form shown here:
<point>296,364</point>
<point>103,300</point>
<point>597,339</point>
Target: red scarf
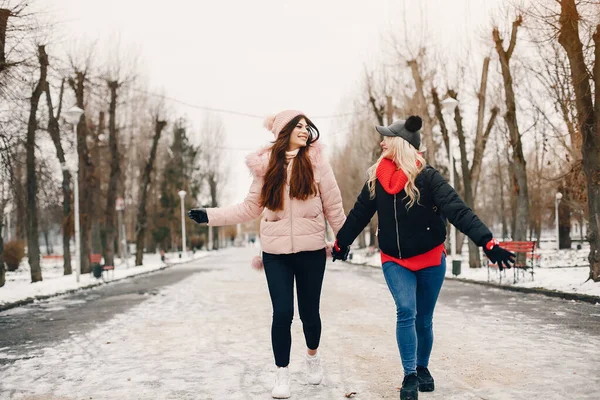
<point>392,179</point>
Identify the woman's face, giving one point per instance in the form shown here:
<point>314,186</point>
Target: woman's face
<point>299,135</point>
<point>384,147</point>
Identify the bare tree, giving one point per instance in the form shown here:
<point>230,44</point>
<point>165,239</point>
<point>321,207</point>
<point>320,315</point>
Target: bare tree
<point>500,176</point>
<point>142,215</point>
<point>380,100</point>
<point>87,175</point>
<point>15,25</point>
<point>588,117</point>
<point>519,163</point>
<point>118,73</point>
<point>110,215</point>
<point>33,246</point>
<point>350,164</point>
<point>19,195</point>
<point>421,105</point>
<point>54,131</point>
<point>4,16</point>
<point>3,202</point>
<point>445,135</point>
<point>20,26</point>
<point>470,175</point>
<point>212,166</point>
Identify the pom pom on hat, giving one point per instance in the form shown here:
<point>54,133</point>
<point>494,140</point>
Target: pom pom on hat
<point>275,123</point>
<point>413,123</point>
<point>268,123</point>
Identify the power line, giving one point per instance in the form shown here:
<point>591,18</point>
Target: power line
<point>233,112</point>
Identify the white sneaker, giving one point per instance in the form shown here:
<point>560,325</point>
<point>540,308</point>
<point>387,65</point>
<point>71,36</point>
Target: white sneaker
<point>314,369</point>
<point>281,390</point>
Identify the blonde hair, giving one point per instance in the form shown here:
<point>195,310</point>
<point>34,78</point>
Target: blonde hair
<point>406,158</point>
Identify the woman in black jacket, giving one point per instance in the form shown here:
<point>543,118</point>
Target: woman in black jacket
<point>412,201</point>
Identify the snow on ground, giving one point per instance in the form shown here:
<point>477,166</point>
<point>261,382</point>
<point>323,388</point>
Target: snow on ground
<point>207,337</point>
<point>19,287</point>
<point>559,270</point>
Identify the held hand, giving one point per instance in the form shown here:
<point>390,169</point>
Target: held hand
<point>339,252</point>
<point>500,256</point>
<point>198,215</point>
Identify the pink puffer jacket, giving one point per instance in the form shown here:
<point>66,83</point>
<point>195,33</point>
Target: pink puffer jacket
<point>300,226</point>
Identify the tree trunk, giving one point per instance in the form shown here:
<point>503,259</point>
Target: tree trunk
<point>474,259</point>
<point>481,135</point>
<point>54,131</point>
<point>142,216</point>
<point>502,205</point>
<point>19,201</point>
<point>46,235</point>
<point>588,117</point>
<point>513,197</point>
<point>427,130</point>
<point>519,164</point>
<point>4,15</point>
<point>115,176</point>
<point>564,217</point>
<point>212,184</point>
<point>445,135</point>
<point>97,213</point>
<point>33,243</point>
<point>87,177</point>
<point>2,266</point>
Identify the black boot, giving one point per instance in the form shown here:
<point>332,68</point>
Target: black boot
<point>425,380</point>
<point>410,386</point>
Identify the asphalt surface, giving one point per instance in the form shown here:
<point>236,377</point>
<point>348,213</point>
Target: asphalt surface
<point>176,334</point>
<point>24,330</point>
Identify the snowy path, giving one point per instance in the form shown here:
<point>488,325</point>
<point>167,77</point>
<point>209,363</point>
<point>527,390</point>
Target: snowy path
<point>207,337</point>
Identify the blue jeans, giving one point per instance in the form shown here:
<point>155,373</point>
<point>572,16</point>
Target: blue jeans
<point>415,294</point>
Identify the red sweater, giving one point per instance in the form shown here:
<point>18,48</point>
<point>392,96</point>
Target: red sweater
<point>393,181</point>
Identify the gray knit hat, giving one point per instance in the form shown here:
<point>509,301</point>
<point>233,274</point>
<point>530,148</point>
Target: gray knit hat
<point>407,130</point>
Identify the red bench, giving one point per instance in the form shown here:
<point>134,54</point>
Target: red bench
<point>526,259</point>
<point>96,258</point>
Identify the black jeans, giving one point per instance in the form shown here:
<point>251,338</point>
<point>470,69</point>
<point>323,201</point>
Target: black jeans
<point>308,267</point>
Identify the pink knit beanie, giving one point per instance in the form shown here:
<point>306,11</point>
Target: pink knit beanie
<point>275,123</point>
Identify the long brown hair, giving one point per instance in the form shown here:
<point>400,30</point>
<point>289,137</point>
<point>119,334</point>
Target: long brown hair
<point>302,181</point>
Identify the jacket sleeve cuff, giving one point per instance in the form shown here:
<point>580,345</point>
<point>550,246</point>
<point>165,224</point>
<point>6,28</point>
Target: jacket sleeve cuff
<point>493,242</point>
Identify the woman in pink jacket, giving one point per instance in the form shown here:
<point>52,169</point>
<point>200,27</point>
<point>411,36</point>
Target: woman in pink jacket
<point>295,191</point>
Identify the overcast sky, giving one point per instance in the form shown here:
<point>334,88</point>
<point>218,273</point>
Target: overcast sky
<point>263,56</point>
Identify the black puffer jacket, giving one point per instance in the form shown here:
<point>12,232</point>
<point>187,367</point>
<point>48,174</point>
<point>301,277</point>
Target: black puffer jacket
<point>406,233</point>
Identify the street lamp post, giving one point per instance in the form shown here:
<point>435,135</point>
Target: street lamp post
<point>449,105</point>
<point>182,196</point>
<point>72,116</point>
<point>557,199</point>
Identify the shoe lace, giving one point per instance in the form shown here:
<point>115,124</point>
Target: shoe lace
<point>282,377</point>
<point>313,364</point>
<point>409,377</point>
<point>424,372</point>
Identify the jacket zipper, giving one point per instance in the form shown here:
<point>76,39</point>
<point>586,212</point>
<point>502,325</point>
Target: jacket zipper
<point>291,220</point>
<point>397,234</point>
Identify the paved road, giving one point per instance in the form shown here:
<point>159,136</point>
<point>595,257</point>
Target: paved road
<point>35,326</point>
<point>201,331</point>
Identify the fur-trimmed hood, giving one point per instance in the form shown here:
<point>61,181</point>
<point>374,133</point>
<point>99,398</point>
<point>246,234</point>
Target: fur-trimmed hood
<point>258,162</point>
<point>300,225</point>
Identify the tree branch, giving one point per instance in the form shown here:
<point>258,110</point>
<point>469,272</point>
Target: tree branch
<point>513,36</point>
